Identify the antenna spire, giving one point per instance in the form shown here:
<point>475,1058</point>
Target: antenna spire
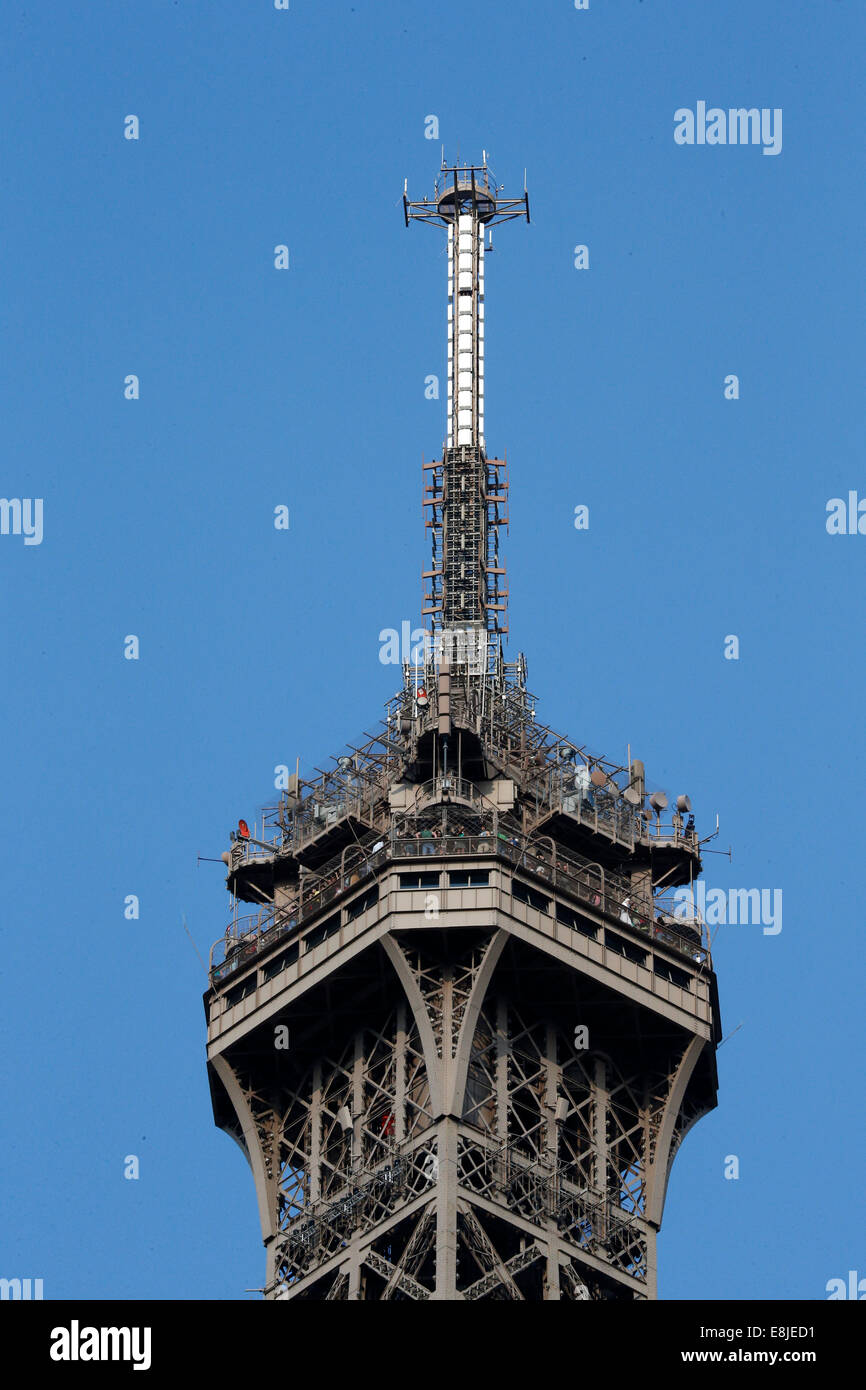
<point>467,493</point>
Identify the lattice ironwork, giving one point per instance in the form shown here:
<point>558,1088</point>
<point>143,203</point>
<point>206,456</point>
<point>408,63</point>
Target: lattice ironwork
<point>435,1130</point>
<point>557,1140</point>
<point>374,1196</point>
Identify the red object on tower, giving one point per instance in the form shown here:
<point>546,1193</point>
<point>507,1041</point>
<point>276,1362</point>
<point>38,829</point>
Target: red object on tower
<point>243,830</point>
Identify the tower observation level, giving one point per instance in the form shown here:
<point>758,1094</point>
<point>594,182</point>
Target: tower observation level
<point>458,1023</point>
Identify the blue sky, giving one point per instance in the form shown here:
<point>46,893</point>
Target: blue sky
<point>306,388</point>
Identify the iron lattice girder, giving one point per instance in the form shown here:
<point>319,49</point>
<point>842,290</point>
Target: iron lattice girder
<point>339,1287</point>
<point>357,785</point>
<point>454,1044</point>
<point>349,804</point>
<point>495,1272</point>
<point>396,1277</point>
<point>502,1276</point>
<point>535,1243</point>
<point>414,1254</point>
<point>466,498</point>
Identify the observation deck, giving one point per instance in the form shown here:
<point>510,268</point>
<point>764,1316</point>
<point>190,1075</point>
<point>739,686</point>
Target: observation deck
<point>475,862</point>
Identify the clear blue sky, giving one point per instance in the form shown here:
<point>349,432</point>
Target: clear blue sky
<point>306,387</point>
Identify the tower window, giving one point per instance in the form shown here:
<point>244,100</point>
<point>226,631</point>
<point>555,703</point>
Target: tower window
<point>572,919</point>
<point>427,880</point>
<point>280,963</point>
<point>361,904</point>
<point>624,948</point>
<point>666,971</point>
<point>241,991</point>
<point>524,894</point>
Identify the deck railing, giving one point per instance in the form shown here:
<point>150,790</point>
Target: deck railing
<point>580,879</point>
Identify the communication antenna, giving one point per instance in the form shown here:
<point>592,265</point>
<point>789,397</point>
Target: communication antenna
<point>465,588</point>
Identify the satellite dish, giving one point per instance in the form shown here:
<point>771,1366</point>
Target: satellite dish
<point>226,857</point>
<point>683,804</point>
<point>598,778</point>
<point>631,796</point>
<point>658,801</point>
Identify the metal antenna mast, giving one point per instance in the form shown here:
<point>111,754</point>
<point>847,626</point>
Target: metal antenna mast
<point>467,491</point>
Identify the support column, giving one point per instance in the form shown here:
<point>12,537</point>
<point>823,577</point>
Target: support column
<point>400,1117</point>
<point>502,1048</point>
<point>357,1156</point>
<point>553,1073</point>
<point>353,1267</point>
<point>552,1293</point>
<point>316,1135</point>
<point>551,1089</point>
<point>652,1273</point>
<point>446,1151</point>
<point>599,1127</point>
<point>446,1211</point>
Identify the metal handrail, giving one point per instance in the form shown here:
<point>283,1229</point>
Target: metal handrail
<point>583,880</point>
<point>603,811</point>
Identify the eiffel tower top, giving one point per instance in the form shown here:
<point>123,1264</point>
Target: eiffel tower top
<point>464,724</point>
<point>391,1028</point>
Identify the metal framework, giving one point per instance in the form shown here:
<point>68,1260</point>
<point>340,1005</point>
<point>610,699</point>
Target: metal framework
<point>457,1022</point>
<point>466,492</point>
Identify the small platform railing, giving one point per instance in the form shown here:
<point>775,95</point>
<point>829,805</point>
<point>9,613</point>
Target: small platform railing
<point>582,880</point>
